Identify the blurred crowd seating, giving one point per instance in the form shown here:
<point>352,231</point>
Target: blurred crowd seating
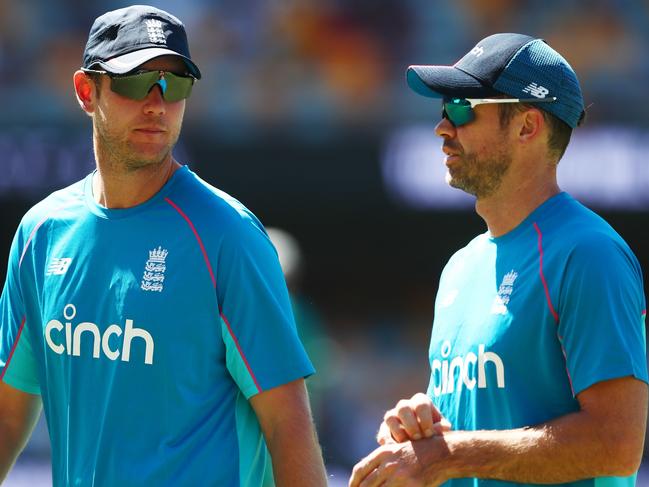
<point>326,63</point>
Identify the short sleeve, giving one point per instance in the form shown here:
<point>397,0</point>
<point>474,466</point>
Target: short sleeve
<point>17,362</point>
<point>601,313</point>
<point>263,349</point>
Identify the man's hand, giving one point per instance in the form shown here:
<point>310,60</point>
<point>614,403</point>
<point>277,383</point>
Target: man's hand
<point>412,419</point>
<point>409,464</point>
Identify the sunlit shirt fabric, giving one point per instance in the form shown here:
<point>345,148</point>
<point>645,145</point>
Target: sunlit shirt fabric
<point>146,330</point>
<point>526,321</point>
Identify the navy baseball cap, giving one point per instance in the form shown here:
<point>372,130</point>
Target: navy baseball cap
<point>511,64</point>
<point>123,39</point>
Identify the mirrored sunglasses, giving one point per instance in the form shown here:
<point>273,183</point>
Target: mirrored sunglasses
<point>137,86</point>
<point>459,111</point>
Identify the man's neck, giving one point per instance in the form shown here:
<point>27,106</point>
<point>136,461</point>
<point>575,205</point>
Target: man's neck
<point>125,188</point>
<point>506,209</point>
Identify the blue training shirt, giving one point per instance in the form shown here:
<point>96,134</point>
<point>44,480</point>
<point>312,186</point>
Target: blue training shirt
<point>526,321</point>
<point>146,330</point>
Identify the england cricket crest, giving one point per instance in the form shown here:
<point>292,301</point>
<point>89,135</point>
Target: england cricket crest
<point>505,290</point>
<point>154,270</point>
<point>155,31</point>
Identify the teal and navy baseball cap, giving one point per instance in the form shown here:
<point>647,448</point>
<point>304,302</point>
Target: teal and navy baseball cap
<point>516,65</point>
<point>123,39</point>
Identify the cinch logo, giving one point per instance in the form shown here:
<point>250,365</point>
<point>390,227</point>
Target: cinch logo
<point>445,374</point>
<point>69,341</point>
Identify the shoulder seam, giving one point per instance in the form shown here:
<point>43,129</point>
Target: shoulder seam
<point>197,236</point>
<point>35,229</point>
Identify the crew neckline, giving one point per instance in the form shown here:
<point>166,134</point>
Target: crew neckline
<point>543,207</point>
<point>117,213</point>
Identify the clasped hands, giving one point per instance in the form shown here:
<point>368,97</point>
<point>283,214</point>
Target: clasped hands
<point>407,454</point>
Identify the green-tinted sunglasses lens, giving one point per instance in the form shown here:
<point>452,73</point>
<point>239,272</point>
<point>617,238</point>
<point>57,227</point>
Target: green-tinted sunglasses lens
<point>458,111</point>
<point>178,87</point>
<point>135,86</point>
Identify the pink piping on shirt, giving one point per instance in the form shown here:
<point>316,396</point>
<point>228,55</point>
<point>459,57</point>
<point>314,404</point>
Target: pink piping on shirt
<point>236,342</point>
<point>40,223</point>
<point>209,268</point>
<point>549,300</point>
<point>29,240</point>
<point>13,349</point>
<point>198,238</point>
<point>545,284</point>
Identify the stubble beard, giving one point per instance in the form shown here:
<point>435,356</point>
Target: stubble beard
<point>480,176</point>
<point>124,155</point>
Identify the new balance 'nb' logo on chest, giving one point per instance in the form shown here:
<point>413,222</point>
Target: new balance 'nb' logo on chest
<point>58,266</point>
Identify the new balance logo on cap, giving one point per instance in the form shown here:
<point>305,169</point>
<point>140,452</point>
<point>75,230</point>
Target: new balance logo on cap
<point>536,90</point>
<point>506,64</point>
<point>477,51</point>
<point>58,266</point>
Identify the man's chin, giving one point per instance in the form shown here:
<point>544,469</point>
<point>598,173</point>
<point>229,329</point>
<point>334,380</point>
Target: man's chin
<point>457,183</point>
<point>143,160</point>
<point>148,153</point>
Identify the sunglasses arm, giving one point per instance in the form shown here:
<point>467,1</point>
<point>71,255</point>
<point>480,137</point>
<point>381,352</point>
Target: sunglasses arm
<point>483,101</point>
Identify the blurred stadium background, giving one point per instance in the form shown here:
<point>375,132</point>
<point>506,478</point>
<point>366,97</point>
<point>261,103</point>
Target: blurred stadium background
<point>303,114</point>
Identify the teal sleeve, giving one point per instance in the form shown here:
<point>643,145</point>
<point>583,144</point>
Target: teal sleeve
<point>263,349</point>
<point>601,313</point>
<point>17,363</point>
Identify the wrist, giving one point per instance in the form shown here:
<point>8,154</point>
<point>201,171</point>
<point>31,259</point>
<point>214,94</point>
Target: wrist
<point>438,457</point>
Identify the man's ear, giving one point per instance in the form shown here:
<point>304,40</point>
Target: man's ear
<point>86,91</point>
<point>532,124</point>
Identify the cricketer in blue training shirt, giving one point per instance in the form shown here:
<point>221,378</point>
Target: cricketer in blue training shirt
<point>147,308</point>
<point>537,353</point>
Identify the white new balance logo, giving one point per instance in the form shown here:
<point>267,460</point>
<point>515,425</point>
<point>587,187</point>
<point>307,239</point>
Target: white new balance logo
<point>154,29</point>
<point>477,51</point>
<point>536,90</point>
<point>58,266</point>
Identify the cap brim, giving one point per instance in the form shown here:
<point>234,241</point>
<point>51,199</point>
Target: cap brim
<point>445,81</point>
<point>128,62</point>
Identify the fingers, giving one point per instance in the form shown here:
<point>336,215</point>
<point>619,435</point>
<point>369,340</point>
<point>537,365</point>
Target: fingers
<point>412,419</point>
<point>374,479</point>
<point>396,431</point>
<point>364,469</point>
<point>425,413</point>
<point>411,416</point>
<point>440,428</point>
<point>384,435</point>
